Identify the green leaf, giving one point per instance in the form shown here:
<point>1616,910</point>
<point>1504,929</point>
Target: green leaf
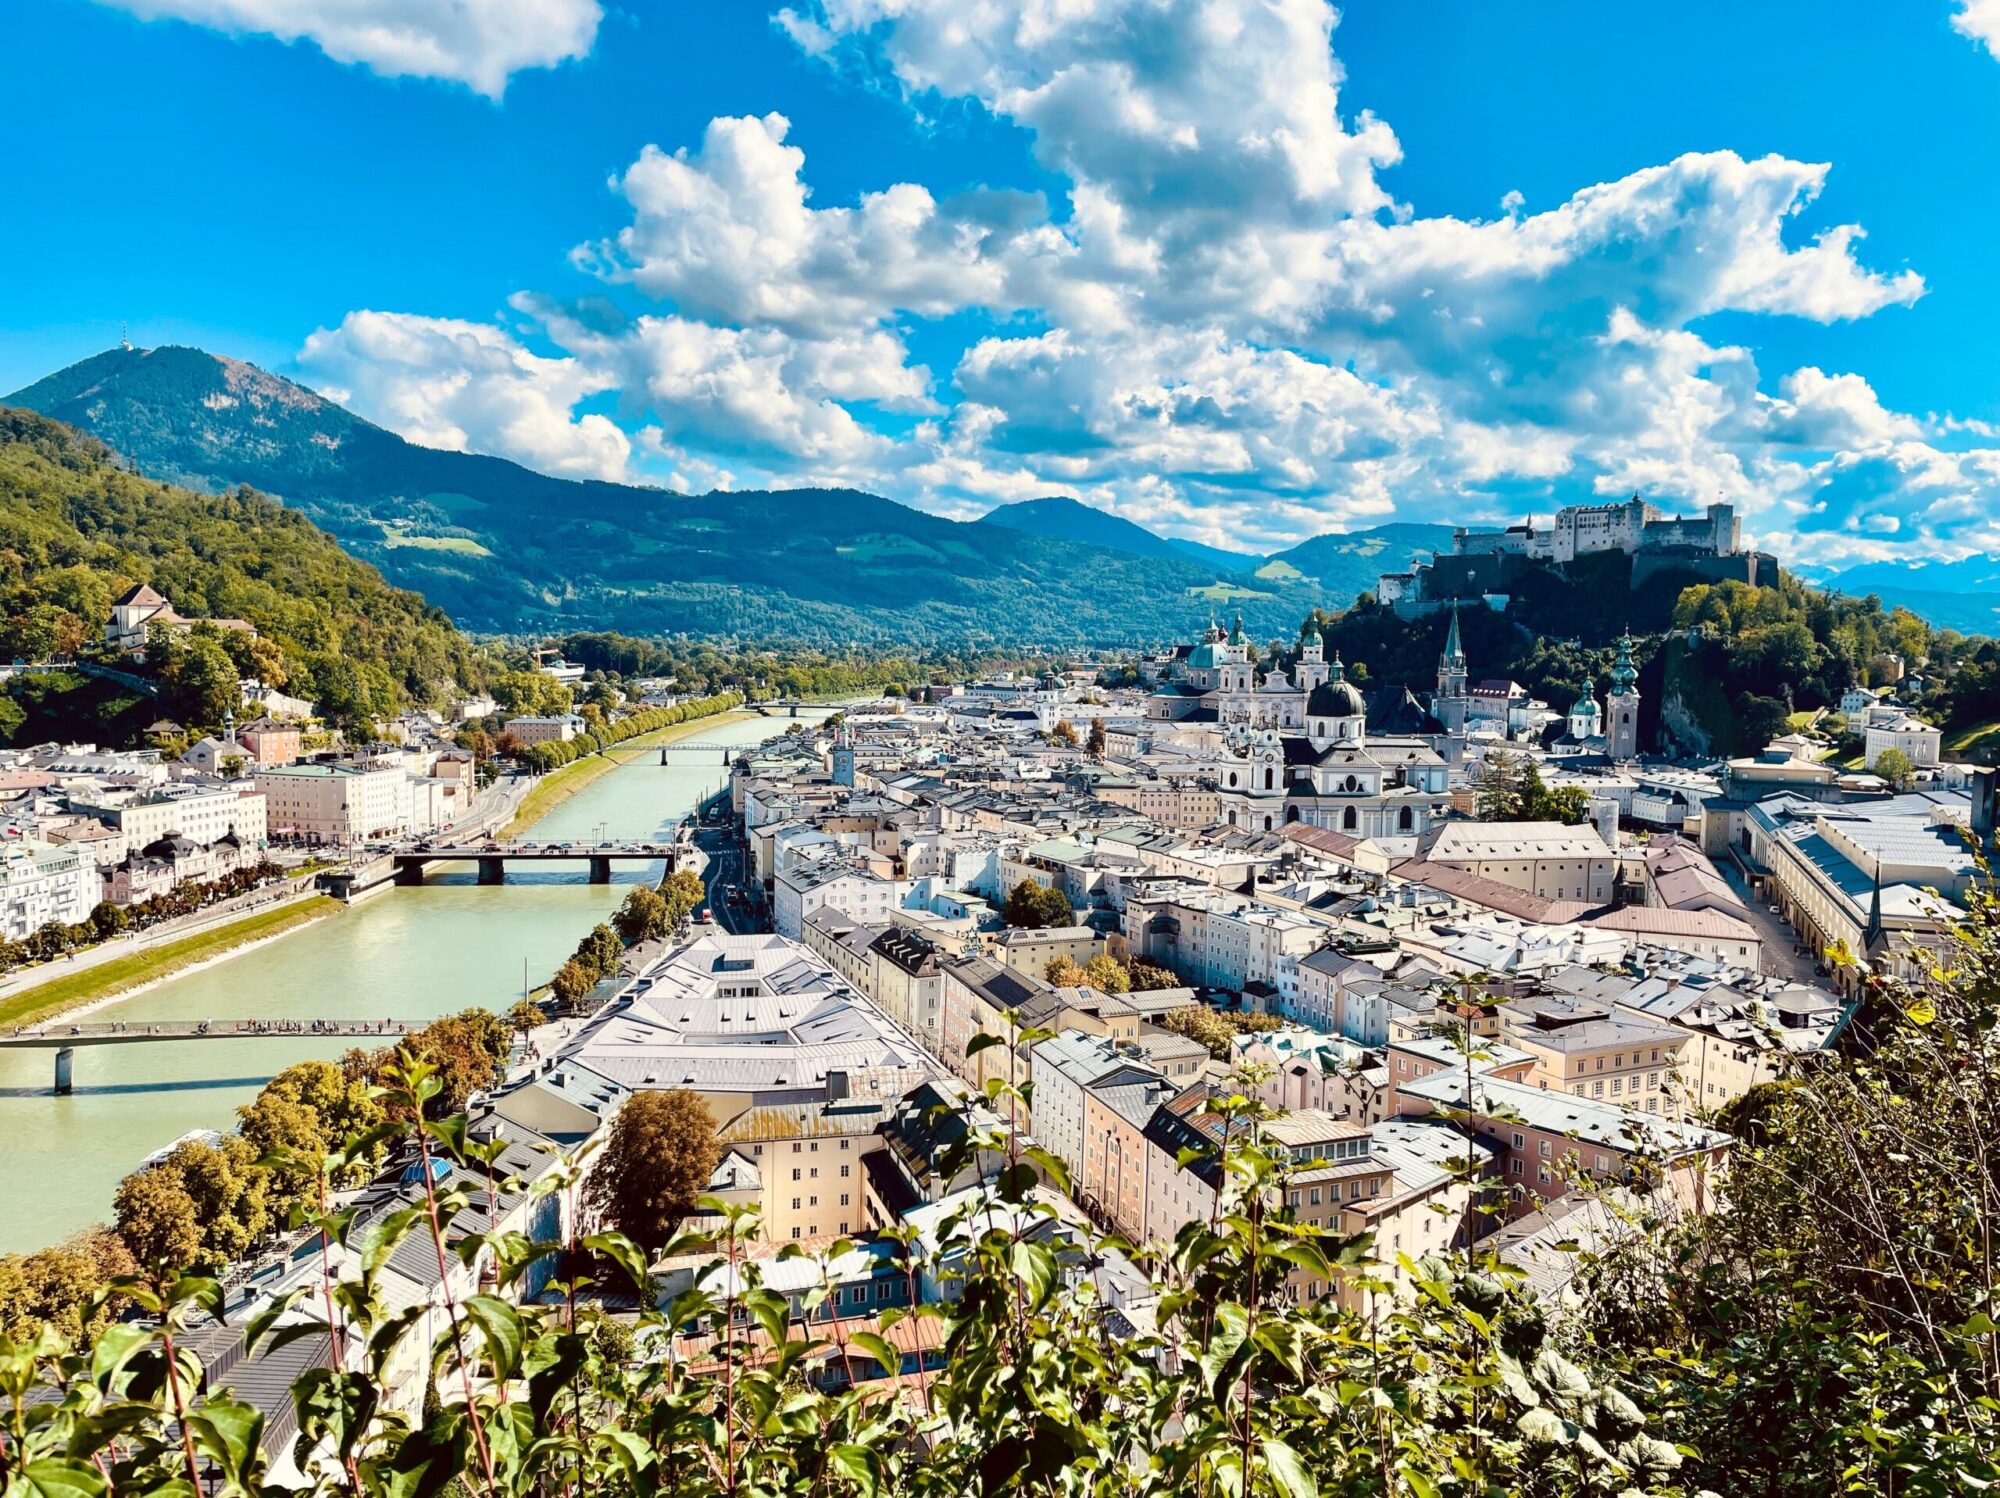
<point>388,1237</point>
<point>116,1347</point>
<point>879,1349</point>
<point>267,1317</point>
<point>628,1256</point>
<point>1540,1424</point>
<point>53,1477</point>
<point>1288,1473</point>
<point>857,1464</point>
<point>1035,1267</point>
<point>229,1432</point>
<point>334,1408</point>
<point>1224,1341</point>
<point>1055,1169</point>
<point>501,1325</point>
<point>1419,1483</point>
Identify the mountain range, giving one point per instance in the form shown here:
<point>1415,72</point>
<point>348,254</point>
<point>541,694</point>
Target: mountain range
<point>1962,595</point>
<point>1343,564</point>
<point>508,550</point>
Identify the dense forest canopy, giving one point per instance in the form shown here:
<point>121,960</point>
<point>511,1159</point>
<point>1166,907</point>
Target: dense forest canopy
<point>76,531</point>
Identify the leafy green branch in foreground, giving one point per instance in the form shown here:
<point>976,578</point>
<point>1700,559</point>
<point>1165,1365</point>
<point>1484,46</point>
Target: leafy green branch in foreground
<point>1827,1328</point>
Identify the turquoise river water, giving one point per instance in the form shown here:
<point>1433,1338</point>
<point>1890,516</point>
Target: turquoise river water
<point>402,953</point>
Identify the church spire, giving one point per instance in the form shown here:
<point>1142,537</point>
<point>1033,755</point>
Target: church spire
<point>1453,650</point>
<point>1624,675</point>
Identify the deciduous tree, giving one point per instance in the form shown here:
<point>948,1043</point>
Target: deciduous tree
<point>156,1218</point>
<point>684,893</point>
<point>1064,972</point>
<point>1033,906</point>
<point>658,1159</point>
<point>55,1286</point>
<point>1107,975</point>
<point>570,984</point>
<point>643,916</point>
<point>1894,766</point>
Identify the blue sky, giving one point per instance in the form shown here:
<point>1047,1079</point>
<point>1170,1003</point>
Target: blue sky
<point>1239,269</point>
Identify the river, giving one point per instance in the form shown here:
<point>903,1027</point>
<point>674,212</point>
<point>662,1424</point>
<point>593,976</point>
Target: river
<point>399,953</point>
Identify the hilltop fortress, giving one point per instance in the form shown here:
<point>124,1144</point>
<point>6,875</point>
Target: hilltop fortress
<point>1708,547</point>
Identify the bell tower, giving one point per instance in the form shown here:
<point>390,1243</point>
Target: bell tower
<point>1621,708</point>
<point>1312,657</point>
<point>1451,706</point>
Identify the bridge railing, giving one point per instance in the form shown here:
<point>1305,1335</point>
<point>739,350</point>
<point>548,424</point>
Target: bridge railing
<point>217,1029</point>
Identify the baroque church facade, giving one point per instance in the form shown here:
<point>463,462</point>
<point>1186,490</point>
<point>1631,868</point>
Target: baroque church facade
<point>1296,746</point>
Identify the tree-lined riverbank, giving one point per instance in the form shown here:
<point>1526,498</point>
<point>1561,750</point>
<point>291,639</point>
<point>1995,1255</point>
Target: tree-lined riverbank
<point>558,786</point>
<point>123,975</point>
<point>407,954</point>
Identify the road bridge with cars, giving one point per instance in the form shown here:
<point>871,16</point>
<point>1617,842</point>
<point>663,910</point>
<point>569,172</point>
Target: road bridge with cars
<point>494,857</point>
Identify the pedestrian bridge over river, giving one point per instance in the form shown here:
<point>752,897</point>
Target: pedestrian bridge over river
<point>64,1038</point>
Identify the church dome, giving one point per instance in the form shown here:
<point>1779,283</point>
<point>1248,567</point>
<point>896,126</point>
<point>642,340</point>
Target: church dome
<point>1335,699</point>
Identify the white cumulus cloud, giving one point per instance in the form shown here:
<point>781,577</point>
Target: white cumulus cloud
<point>1210,315</point>
<point>1980,20</point>
<point>480,43</point>
<point>468,387</point>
